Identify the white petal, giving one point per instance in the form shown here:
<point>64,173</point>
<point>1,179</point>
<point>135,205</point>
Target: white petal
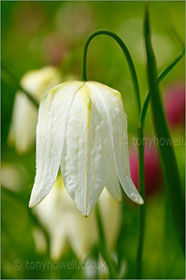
<point>51,212</point>
<point>51,128</point>
<point>24,120</point>
<point>82,163</point>
<point>117,119</point>
<point>110,210</point>
<point>113,187</point>
<point>109,169</point>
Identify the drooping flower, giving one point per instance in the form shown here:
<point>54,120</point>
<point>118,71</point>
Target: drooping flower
<point>81,129</point>
<point>24,118</point>
<point>60,217</point>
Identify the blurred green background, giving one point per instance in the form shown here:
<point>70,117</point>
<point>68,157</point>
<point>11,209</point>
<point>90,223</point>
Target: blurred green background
<point>35,34</point>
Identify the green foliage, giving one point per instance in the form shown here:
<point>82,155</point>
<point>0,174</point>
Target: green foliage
<point>28,31</point>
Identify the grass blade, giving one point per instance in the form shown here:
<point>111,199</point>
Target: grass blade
<point>161,76</point>
<point>166,151</point>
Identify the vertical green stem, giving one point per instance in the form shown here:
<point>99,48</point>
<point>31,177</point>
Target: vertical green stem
<point>141,182</point>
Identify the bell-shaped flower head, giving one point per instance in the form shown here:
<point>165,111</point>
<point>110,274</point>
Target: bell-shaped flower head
<point>24,117</point>
<point>82,128</point>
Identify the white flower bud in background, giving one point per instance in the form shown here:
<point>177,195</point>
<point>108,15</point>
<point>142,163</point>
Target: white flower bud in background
<point>40,241</point>
<point>80,129</point>
<point>65,223</point>
<point>24,116</point>
<point>11,176</point>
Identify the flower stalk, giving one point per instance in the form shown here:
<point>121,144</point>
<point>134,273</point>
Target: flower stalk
<point>142,213</point>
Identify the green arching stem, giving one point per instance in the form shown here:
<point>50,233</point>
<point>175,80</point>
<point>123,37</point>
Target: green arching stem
<point>126,53</point>
<point>103,246</point>
<point>9,79</point>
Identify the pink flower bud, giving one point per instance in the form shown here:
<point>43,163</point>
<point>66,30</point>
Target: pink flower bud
<point>153,174</point>
<point>175,105</point>
<point>55,49</point>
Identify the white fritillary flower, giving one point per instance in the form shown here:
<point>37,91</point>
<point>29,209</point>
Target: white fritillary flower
<point>24,117</point>
<point>81,127</point>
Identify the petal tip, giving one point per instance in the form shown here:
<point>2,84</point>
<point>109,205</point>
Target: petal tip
<point>85,213</point>
<point>31,205</point>
<point>33,201</point>
<point>137,199</point>
<point>85,216</point>
<point>141,201</point>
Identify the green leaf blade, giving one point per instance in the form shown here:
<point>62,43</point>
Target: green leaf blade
<point>166,151</point>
